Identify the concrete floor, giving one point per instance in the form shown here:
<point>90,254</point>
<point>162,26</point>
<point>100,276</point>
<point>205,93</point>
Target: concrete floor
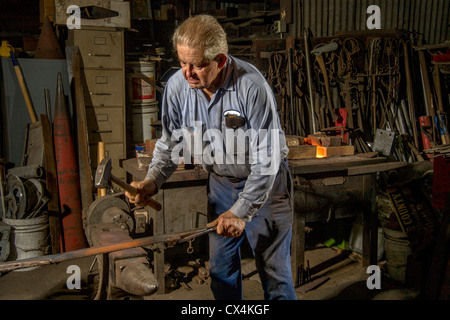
<point>346,281</point>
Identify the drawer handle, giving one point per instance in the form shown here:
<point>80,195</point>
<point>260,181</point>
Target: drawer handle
<point>102,131</point>
<point>98,55</point>
<point>332,181</point>
<point>99,94</point>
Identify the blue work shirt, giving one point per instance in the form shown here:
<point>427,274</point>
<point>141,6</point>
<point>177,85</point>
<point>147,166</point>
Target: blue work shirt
<point>195,128</point>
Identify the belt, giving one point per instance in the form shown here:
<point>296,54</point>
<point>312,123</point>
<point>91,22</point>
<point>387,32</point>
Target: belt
<point>232,179</point>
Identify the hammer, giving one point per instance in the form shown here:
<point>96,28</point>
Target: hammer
<point>103,175</point>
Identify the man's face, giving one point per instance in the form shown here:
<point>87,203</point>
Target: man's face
<point>200,73</point>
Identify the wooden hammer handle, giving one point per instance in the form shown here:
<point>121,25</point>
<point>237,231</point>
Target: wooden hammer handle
<point>23,88</point>
<point>152,203</point>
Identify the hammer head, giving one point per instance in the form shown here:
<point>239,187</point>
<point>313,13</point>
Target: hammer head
<point>103,173</point>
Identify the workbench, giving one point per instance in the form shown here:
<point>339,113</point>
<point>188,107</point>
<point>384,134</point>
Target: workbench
<point>341,186</point>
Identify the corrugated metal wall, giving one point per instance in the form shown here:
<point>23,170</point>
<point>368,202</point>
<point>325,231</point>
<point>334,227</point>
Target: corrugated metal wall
<point>430,18</point>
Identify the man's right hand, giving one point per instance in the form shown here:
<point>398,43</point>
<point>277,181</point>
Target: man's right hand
<point>145,188</point>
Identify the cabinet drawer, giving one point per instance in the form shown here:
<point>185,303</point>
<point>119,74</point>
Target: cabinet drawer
<point>100,49</point>
<point>104,88</point>
<point>105,124</point>
<point>115,151</point>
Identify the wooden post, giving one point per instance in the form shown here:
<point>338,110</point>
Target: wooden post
<point>51,181</point>
<point>82,138</point>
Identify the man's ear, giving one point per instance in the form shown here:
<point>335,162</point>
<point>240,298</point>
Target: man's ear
<point>222,59</point>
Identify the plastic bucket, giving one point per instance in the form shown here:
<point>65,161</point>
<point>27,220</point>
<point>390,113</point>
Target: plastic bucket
<point>28,238</point>
<point>397,250</point>
<point>138,90</point>
<point>142,116</point>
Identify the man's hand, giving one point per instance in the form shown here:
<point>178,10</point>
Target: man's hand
<point>228,225</point>
<point>145,188</point>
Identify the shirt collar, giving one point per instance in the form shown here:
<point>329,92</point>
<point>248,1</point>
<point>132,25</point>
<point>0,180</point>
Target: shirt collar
<point>227,75</point>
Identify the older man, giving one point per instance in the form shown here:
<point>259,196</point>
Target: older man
<point>220,111</point>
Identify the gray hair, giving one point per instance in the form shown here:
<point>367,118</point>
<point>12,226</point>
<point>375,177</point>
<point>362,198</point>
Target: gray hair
<point>202,31</point>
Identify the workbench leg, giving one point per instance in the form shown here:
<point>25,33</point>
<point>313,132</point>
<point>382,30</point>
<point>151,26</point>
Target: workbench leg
<point>159,253</point>
<point>370,220</point>
<point>298,245</point>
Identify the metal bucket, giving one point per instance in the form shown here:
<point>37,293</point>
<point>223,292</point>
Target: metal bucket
<point>138,90</point>
<point>28,239</point>
<point>142,117</point>
<point>397,251</point>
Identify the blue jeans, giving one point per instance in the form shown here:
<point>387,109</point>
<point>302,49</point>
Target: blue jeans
<point>269,236</point>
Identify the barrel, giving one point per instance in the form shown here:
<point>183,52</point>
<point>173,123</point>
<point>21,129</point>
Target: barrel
<point>28,238</point>
<point>142,116</point>
<point>138,90</point>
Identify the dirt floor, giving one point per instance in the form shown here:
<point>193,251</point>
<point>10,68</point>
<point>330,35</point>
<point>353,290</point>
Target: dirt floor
<point>334,274</point>
<point>345,279</point>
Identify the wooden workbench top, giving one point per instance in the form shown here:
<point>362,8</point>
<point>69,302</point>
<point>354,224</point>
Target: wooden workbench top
<point>351,165</point>
<point>138,168</point>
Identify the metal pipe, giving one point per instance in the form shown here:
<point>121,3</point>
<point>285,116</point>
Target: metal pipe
<point>291,92</point>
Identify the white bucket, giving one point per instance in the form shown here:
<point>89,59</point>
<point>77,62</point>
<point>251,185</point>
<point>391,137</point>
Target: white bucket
<point>397,251</point>
<point>142,117</point>
<point>28,239</point>
<point>138,90</point>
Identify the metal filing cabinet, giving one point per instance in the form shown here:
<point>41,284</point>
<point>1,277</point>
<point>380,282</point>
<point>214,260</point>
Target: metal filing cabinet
<point>103,66</point>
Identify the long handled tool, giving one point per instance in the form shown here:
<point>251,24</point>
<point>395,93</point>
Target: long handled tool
<point>169,240</point>
<point>318,52</point>
<point>23,87</point>
<point>310,87</point>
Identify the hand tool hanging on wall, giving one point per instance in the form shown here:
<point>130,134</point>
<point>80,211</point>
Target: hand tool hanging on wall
<point>278,81</point>
<point>318,51</point>
<point>310,87</point>
<point>410,95</point>
<point>292,104</point>
<point>440,118</point>
<point>167,239</point>
<point>428,99</point>
<point>426,131</point>
<point>23,87</point>
<point>73,237</point>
